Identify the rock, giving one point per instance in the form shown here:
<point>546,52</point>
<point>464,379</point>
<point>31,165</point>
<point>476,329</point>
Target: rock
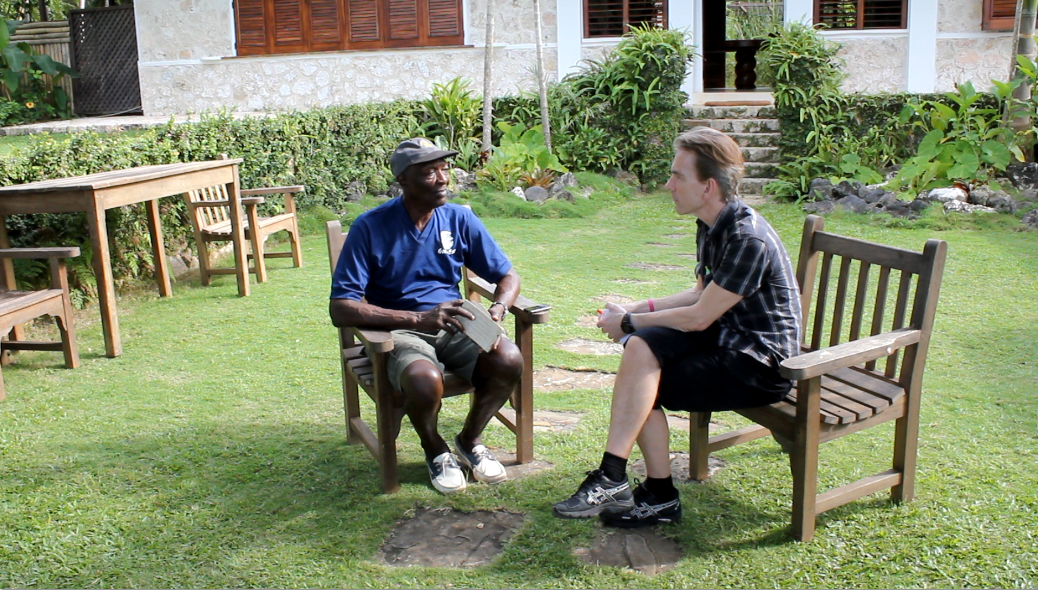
<point>586,192</point>
<point>981,195</point>
<point>890,172</point>
<point>951,193</point>
<point>852,203</point>
<point>355,191</point>
<point>517,191</point>
<point>846,188</point>
<point>918,205</point>
<point>1030,219</point>
<point>1003,203</point>
<point>898,209</point>
<point>1023,174</point>
<point>463,181</point>
<point>872,194</point>
<point>394,190</point>
<point>887,199</point>
<point>820,207</point>
<point>964,207</point>
<point>536,194</point>
<point>1028,195</point>
<point>821,189</point>
<point>567,180</point>
<point>564,195</point>
<point>627,177</point>
<point>381,198</point>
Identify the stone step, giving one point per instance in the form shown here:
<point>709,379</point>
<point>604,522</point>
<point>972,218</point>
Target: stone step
<point>732,112</point>
<point>761,170</point>
<point>760,155</point>
<point>756,139</point>
<point>753,186</point>
<point>736,125</point>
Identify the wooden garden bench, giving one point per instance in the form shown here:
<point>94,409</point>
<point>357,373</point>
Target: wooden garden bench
<point>363,354</point>
<point>860,367</point>
<point>18,307</point>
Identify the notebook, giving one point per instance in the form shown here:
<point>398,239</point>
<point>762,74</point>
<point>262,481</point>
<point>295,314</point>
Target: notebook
<point>483,330</point>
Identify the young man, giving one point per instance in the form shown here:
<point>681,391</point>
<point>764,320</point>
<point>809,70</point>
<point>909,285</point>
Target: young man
<point>404,259</point>
<point>716,346</point>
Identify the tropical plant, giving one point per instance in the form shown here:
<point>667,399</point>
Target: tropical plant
<point>452,112</point>
<point>521,151</point>
<point>22,73</point>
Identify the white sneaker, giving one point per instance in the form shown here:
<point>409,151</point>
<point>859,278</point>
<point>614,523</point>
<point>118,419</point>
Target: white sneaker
<point>484,466</point>
<point>446,475</point>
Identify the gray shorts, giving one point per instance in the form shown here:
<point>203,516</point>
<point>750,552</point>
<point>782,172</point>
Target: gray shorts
<point>456,353</point>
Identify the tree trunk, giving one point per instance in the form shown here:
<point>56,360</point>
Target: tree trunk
<point>542,81</point>
<point>488,101</point>
<point>1027,12</point>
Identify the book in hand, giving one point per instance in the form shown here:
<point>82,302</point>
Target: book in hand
<point>483,330</point>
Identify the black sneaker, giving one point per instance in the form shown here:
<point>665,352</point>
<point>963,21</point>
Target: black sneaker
<point>598,493</point>
<point>646,511</point>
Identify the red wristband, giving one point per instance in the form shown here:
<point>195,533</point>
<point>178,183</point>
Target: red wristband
<point>651,306</point>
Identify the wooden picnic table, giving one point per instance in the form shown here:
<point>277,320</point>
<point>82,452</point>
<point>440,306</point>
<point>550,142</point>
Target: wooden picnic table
<point>94,194</point>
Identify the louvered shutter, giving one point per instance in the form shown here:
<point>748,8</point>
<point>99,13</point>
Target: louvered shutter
<point>611,18</point>
<point>288,26</point>
<point>363,22</point>
<point>251,27</point>
<point>999,15</point>
<point>861,14</point>
<point>402,24</point>
<point>444,19</point>
<point>326,25</point>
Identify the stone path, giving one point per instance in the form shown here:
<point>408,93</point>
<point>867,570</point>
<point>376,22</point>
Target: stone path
<point>544,421</point>
<point>679,467</point>
<point>443,537</point>
<point>655,266</point>
<point>643,550</point>
<point>556,379</point>
<point>595,347</point>
<point>111,124</point>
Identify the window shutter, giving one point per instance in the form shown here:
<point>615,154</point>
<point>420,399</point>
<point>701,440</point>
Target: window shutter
<point>999,15</point>
<point>861,14</point>
<point>444,19</point>
<point>884,14</point>
<point>403,20</point>
<point>325,25</point>
<point>603,18</point>
<point>288,23</point>
<point>363,16</point>
<point>252,29</point>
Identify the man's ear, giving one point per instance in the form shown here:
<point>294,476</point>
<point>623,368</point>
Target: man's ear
<point>713,188</point>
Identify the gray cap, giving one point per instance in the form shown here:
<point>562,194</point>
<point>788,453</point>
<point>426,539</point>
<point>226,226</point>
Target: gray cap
<point>416,150</point>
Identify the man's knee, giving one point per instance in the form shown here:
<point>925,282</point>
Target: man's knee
<point>505,363</point>
<point>422,380</point>
<point>638,353</point>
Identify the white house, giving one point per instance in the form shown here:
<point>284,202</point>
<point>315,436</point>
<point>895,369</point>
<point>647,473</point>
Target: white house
<point>262,55</point>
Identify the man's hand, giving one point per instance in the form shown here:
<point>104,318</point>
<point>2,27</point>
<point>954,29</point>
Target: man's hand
<point>609,321</point>
<point>497,311</point>
<point>444,317</point>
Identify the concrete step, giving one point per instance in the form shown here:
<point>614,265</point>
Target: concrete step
<point>756,139</point>
<point>761,170</point>
<point>736,125</point>
<point>760,155</point>
<point>753,186</point>
<point>732,112</point>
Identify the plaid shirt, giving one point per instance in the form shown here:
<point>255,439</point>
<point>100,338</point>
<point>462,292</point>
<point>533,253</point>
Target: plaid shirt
<point>744,255</point>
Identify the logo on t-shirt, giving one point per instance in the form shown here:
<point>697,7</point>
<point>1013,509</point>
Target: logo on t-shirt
<point>447,243</point>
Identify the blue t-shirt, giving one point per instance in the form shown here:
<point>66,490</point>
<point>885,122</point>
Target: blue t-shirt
<point>391,264</point>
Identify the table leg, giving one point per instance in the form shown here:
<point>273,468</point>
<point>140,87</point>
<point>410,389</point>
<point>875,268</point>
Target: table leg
<point>241,263</point>
<point>158,248</point>
<point>105,282</point>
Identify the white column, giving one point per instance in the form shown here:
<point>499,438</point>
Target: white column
<point>569,30</point>
<point>800,11</point>
<point>921,69</point>
<point>682,16</point>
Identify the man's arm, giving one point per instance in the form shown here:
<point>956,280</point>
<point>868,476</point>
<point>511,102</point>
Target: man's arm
<point>710,304</point>
<point>348,312</point>
<point>506,293</point>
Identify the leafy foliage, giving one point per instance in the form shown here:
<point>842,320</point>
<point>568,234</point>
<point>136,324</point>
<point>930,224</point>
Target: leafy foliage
<point>453,112</point>
<point>521,152</point>
<point>27,97</point>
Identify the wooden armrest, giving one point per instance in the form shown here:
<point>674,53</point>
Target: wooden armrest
<point>47,252</point>
<point>848,354</point>
<point>373,340</point>
<point>486,289</point>
<point>274,190</point>
<point>248,202</point>
<point>252,201</point>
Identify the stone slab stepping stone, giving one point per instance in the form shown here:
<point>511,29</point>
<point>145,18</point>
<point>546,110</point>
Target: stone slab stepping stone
<point>632,282</point>
<point>557,379</point>
<point>642,550</point>
<point>689,256</point>
<point>679,466</point>
<point>675,236</point>
<point>585,346</point>
<point>515,469</point>
<point>444,537</point>
<point>654,266</point>
<point>659,245</point>
<point>544,421</point>
<point>587,321</point>
<point>612,299</point>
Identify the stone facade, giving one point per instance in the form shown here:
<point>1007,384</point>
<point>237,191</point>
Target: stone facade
<point>975,60</point>
<point>874,64</point>
<point>959,16</point>
<point>188,61</point>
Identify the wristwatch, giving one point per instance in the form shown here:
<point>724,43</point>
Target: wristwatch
<point>625,324</point>
<point>502,304</point>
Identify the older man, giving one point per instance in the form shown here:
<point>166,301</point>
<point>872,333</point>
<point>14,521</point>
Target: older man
<point>399,270</point>
<point>716,346</point>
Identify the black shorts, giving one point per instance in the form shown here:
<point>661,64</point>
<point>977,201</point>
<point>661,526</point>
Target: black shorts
<point>700,376</point>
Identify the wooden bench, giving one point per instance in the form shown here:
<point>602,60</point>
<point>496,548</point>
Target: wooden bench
<point>209,213</point>
<point>18,307</point>
<point>364,355</point>
<point>860,367</point>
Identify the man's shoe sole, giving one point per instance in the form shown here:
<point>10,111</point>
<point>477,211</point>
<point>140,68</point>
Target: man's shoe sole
<point>637,524</point>
<point>475,475</point>
<point>592,512</point>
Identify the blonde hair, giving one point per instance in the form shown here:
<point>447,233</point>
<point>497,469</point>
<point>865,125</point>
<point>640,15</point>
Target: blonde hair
<point>717,157</point>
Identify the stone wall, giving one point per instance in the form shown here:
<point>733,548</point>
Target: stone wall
<point>188,62</point>
<point>978,60</point>
<point>874,64</point>
<point>960,16</point>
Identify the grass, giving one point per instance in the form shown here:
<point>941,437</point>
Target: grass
<point>212,454</point>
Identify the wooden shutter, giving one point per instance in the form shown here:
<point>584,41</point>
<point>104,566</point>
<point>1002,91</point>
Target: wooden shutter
<point>444,19</point>
<point>611,18</point>
<point>326,25</point>
<point>363,18</point>
<point>999,15</point>
<point>402,24</point>
<point>288,26</point>
<point>251,27</point>
<point>861,14</point>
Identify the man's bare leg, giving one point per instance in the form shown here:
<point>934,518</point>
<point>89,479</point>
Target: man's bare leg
<point>634,394</point>
<point>422,385</point>
<point>496,375</point>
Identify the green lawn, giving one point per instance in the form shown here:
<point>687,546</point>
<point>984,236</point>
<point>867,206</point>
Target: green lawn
<point>212,452</point>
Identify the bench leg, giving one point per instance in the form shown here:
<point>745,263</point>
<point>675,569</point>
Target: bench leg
<point>522,398</point>
<point>699,439</point>
<point>804,459</point>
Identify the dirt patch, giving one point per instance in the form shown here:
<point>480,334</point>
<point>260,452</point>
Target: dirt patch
<point>659,245</point>
<point>632,282</point>
<point>543,421</point>
<point>675,236</point>
<point>444,537</point>
<point>612,299</point>
<point>654,266</point>
<point>588,321</point>
<point>643,550</point>
<point>689,256</point>
<point>595,347</point>
<point>556,379</point>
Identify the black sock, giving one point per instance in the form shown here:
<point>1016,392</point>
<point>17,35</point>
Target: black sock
<point>663,488</point>
<point>615,468</point>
